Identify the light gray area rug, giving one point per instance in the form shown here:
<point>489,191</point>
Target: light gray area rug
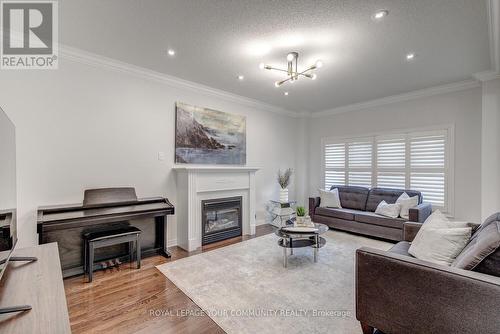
<point>245,289</point>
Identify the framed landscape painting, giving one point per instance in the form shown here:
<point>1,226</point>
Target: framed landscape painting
<point>206,136</point>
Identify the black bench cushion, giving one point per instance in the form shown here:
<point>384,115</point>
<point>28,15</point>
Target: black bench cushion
<point>352,197</point>
<point>101,233</point>
<point>389,195</point>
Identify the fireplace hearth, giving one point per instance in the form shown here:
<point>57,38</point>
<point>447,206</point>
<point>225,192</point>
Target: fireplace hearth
<point>221,219</point>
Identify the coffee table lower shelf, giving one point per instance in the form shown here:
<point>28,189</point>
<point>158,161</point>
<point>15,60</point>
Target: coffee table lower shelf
<point>314,242</point>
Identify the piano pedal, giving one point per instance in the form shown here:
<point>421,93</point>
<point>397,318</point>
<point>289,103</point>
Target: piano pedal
<point>111,264</point>
<point>118,262</point>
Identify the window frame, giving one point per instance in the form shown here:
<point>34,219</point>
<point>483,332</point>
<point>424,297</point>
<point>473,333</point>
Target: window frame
<point>449,163</point>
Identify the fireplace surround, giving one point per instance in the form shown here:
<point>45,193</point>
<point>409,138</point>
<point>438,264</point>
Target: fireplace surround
<point>221,219</point>
<point>196,184</point>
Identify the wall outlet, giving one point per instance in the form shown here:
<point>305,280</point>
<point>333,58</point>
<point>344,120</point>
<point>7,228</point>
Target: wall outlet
<point>161,156</point>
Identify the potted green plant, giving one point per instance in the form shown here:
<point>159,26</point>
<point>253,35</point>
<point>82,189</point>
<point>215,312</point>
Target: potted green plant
<point>301,213</point>
<point>284,179</point>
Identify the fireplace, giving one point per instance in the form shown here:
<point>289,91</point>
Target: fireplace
<point>221,219</point>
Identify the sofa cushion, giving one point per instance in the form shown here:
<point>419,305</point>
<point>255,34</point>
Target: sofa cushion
<point>401,248</point>
<point>346,214</point>
<point>352,197</point>
<point>376,219</point>
<point>377,195</point>
<point>482,253</point>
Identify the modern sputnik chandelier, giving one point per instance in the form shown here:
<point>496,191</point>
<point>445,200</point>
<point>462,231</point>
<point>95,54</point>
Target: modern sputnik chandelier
<point>292,71</point>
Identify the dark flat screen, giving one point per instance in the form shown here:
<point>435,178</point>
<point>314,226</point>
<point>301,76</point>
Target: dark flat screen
<point>8,232</point>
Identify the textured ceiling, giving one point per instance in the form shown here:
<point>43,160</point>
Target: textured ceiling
<point>217,40</point>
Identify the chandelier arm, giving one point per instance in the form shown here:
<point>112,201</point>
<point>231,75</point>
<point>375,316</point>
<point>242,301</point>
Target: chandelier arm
<point>283,81</point>
<point>276,69</point>
<point>307,70</point>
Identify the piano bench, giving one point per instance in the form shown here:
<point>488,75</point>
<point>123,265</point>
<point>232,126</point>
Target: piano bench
<point>113,236</point>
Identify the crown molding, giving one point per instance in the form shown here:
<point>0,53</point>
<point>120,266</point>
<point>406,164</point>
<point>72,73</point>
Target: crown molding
<point>493,9</point>
<point>427,92</point>
<point>98,61</point>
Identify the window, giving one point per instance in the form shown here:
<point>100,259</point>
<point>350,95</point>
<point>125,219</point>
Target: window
<point>412,160</point>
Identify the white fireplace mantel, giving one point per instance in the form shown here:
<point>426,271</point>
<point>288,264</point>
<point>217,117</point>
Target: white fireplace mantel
<point>198,183</point>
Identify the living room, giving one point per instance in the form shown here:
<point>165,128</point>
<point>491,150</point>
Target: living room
<point>243,167</point>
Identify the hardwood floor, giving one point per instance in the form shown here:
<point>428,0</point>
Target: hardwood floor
<point>128,300</point>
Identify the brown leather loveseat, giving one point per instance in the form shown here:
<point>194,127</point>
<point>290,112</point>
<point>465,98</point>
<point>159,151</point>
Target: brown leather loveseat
<point>397,293</point>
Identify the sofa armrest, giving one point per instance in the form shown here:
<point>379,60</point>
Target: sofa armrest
<point>420,213</point>
<point>313,204</point>
<point>410,230</point>
<point>400,294</point>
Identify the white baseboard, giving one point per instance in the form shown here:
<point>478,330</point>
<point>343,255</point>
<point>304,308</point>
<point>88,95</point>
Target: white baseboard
<point>172,243</point>
<point>260,222</point>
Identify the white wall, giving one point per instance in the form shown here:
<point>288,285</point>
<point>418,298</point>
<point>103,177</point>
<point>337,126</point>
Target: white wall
<point>490,167</point>
<point>463,109</point>
<point>82,127</point>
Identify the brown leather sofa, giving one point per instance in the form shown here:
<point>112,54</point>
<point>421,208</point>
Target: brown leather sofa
<point>397,293</point>
<point>358,212</point>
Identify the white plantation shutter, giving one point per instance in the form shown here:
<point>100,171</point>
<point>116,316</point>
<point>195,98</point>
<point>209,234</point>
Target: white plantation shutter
<point>395,180</point>
<point>391,162</point>
<point>334,164</point>
<point>360,163</point>
<point>414,160</point>
<point>428,167</point>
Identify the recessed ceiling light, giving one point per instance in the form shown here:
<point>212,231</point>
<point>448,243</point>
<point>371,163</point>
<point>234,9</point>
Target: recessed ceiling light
<point>262,66</point>
<point>286,93</point>
<point>171,52</point>
<point>319,63</point>
<point>241,77</point>
<point>314,76</point>
<point>379,15</point>
<point>410,56</point>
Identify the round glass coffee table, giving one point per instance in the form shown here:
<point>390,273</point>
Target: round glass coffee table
<point>297,237</point>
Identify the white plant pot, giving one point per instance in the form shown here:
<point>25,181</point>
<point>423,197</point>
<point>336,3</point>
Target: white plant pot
<point>283,195</point>
<point>299,221</point>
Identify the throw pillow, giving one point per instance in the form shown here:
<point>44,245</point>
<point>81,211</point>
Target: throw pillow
<point>436,220</point>
<point>435,226</point>
<point>482,248</point>
<point>406,202</point>
<point>441,245</point>
<point>388,210</point>
<point>329,199</point>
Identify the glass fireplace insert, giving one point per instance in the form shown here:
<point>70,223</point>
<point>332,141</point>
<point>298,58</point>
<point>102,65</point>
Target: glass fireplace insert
<point>221,219</point>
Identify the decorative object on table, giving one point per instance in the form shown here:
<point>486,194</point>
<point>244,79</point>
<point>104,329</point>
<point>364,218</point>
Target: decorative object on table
<point>281,214</point>
<point>206,136</point>
<point>301,212</point>
<point>308,221</point>
<point>284,180</point>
